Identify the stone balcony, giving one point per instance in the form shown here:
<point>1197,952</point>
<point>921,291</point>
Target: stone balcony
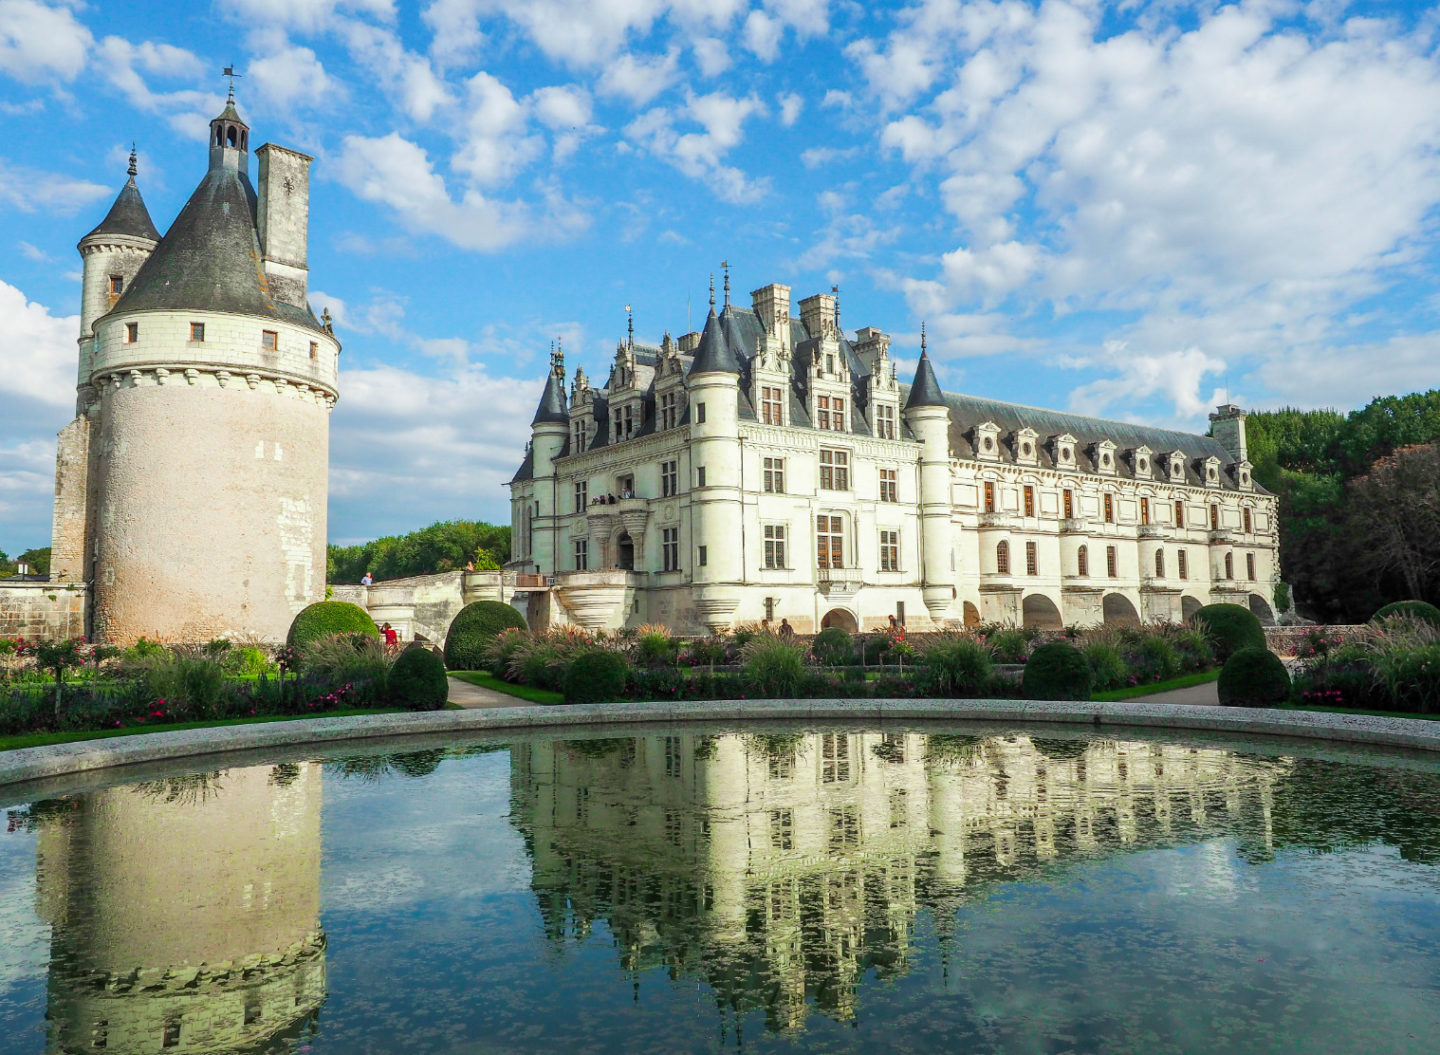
<point>1223,536</point>
<point>838,582</point>
<point>593,598</point>
<point>1076,526</point>
<point>1001,521</point>
<point>1154,530</point>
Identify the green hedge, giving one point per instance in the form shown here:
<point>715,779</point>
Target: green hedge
<point>417,681</point>
<point>596,676</point>
<point>832,647</point>
<point>1418,609</point>
<point>1230,627</point>
<point>1057,671</point>
<point>472,630</point>
<point>324,618</point>
<point>1253,677</point>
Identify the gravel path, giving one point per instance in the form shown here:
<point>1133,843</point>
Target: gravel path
<point>474,696</point>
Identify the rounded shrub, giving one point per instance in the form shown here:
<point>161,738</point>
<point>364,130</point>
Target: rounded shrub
<point>596,676</point>
<point>417,681</point>
<point>1415,609</point>
<point>1057,671</point>
<point>957,665</point>
<point>472,630</point>
<point>1253,677</point>
<point>832,647</point>
<point>1230,627</point>
<point>325,618</point>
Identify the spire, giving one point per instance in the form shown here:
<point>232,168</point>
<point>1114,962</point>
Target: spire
<point>925,390</point>
<point>132,169</point>
<point>552,400</point>
<point>713,354</point>
<point>835,292</point>
<point>712,293</point>
<point>128,215</point>
<point>725,266</point>
<point>630,326</point>
<point>229,132</point>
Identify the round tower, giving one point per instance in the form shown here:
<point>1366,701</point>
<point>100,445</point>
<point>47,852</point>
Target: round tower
<point>928,417</point>
<point>214,383</point>
<point>714,389</point>
<point>548,431</point>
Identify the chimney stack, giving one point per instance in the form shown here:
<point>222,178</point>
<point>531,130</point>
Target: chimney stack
<point>284,209</point>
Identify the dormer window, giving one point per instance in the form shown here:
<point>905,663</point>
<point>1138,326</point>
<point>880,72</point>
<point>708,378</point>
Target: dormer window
<point>1177,467</point>
<point>1025,446</point>
<point>886,427</point>
<point>1062,449</point>
<point>1140,461</point>
<point>1242,475</point>
<point>1103,453</point>
<point>1211,472</point>
<point>986,439</point>
<point>772,406</point>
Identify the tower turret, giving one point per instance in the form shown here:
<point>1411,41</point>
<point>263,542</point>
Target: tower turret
<point>548,430</point>
<point>928,417</point>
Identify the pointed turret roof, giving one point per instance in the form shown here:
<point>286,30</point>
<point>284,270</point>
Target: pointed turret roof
<point>128,216</point>
<point>714,354</point>
<point>552,401</point>
<point>925,390</point>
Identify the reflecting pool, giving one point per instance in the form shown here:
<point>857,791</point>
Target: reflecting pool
<point>784,890</point>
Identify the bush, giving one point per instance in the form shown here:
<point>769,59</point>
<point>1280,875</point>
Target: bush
<point>957,665</point>
<point>324,618</point>
<point>1411,677</point>
<point>1008,645</point>
<point>417,681</point>
<point>656,649</point>
<point>1192,646</point>
<point>355,664</point>
<point>1108,669</point>
<point>703,652</point>
<point>187,687</point>
<point>1229,627</point>
<point>1057,671</point>
<point>1417,609</point>
<point>502,649</point>
<point>248,662</point>
<point>774,667</point>
<point>1253,677</point>
<point>832,647</point>
<point>472,630</point>
<point>1156,659</point>
<point>595,676</point>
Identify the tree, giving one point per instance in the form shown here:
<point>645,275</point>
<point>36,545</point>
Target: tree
<point>38,559</point>
<point>1397,506</point>
<point>445,546</point>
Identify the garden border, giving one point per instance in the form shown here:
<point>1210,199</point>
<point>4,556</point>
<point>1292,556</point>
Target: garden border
<point>24,765</point>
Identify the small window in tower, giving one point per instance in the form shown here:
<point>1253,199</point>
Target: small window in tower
<point>132,332</point>
<point>314,349</point>
<point>117,284</point>
<point>232,137</point>
<point>702,555</point>
<point>197,331</point>
<point>699,413</point>
<point>269,340</point>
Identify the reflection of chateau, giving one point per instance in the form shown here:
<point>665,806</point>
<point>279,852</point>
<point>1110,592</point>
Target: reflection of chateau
<point>781,869</point>
<point>185,912</point>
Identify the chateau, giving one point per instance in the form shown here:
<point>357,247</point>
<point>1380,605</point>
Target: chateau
<point>772,468</point>
<point>190,488</point>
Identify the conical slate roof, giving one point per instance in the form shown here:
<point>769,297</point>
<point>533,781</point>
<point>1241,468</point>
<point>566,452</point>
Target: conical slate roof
<point>210,259</point>
<point>925,390</point>
<point>714,353</point>
<point>128,216</point>
<point>552,402</point>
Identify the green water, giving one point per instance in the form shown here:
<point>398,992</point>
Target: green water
<point>791,891</point>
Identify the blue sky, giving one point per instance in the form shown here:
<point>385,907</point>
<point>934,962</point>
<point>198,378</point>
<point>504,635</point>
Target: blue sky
<point>1128,210</point>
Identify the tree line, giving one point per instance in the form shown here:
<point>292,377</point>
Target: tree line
<point>38,561</point>
<point>446,546</point>
<point>1359,502</point>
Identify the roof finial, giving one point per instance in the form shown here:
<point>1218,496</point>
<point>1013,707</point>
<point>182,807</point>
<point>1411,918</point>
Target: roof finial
<point>229,71</point>
<point>132,168</point>
<point>630,325</point>
<point>835,291</point>
<point>725,266</point>
<point>712,291</point>
<point>922,336</point>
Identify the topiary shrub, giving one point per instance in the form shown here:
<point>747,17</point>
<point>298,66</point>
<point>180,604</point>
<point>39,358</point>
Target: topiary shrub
<point>417,681</point>
<point>957,664</point>
<point>1418,609</point>
<point>1230,627</point>
<point>1253,677</point>
<point>596,676</point>
<point>472,630</point>
<point>1057,671</point>
<point>832,647</point>
<point>324,618</point>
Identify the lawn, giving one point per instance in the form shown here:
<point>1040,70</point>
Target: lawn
<point>485,680</point>
<point>1182,682</point>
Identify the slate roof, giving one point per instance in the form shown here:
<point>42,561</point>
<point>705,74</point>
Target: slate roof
<point>209,260</point>
<point>128,216</point>
<point>925,392</point>
<point>716,352</point>
<point>552,402</point>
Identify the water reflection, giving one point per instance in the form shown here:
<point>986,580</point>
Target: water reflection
<point>184,912</point>
<point>780,869</point>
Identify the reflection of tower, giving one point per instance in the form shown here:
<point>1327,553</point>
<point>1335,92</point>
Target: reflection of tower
<point>185,912</point>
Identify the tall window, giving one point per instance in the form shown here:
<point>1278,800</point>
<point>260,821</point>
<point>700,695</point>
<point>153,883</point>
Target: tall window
<point>989,496</point>
<point>1069,499</point>
<point>1229,565</point>
<point>1250,566</point>
<point>582,495</point>
<point>834,470</point>
<point>582,554</point>
<point>889,551</point>
<point>1109,508</point>
<point>834,758</point>
<point>1144,510</point>
<point>1179,513</point>
<point>1112,562</point>
<point>670,548</point>
<point>117,284</point>
<point>1002,558</point>
<point>774,545</point>
<point>1029,501</point>
<point>1032,559</point>
<point>577,435</point>
<point>774,481</point>
<point>829,541</point>
<point>1159,564</point>
<point>830,413</point>
<point>822,412</point>
<point>1182,564</point>
<point>700,476</point>
<point>1082,562</point>
<point>1214,518</point>
<point>772,410</point>
<point>885,421</point>
<point>699,413</point>
<point>668,408</point>
<point>1245,513</point>
<point>889,485</point>
<point>132,332</point>
<point>669,478</point>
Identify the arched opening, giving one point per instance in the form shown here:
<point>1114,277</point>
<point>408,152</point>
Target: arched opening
<point>219,136</point>
<point>1188,607</point>
<point>232,137</point>
<point>972,616</point>
<point>1039,611</point>
<point>841,618</point>
<point>625,552</point>
<point>1262,610</point>
<point>1082,562</point>
<point>1002,558</point>
<point>1118,611</point>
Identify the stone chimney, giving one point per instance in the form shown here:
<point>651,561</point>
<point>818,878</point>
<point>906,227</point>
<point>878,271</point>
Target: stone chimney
<point>772,307</point>
<point>1227,425</point>
<point>284,210</point>
<point>818,314</point>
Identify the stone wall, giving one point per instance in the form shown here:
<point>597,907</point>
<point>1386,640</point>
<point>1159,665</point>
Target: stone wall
<point>43,610</point>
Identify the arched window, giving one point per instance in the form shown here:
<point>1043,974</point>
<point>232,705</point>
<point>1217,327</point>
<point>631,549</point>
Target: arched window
<point>1250,566</point>
<point>1082,562</point>
<point>1159,564</point>
<point>1002,558</point>
<point>1229,565</point>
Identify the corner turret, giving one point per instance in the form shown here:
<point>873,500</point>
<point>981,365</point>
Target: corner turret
<point>928,417</point>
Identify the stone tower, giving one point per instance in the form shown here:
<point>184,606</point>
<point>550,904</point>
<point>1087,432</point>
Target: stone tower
<point>928,416</point>
<point>191,488</point>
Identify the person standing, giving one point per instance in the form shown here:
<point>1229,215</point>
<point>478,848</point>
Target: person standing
<point>367,579</point>
<point>392,637</point>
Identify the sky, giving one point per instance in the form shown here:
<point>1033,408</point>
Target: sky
<point>1131,210</point>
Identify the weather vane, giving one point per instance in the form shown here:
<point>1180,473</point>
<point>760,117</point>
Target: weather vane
<point>229,71</point>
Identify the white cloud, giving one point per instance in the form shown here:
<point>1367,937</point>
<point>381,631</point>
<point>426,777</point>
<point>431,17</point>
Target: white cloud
<point>819,157</point>
<point>308,16</point>
<point>764,28</point>
<point>566,111</point>
<point>1349,376</point>
<point>712,55</point>
<point>32,190</point>
<point>639,78</point>
<point>496,142</point>
<point>408,78</point>
<point>288,75</point>
<point>762,35</point>
<point>127,65</point>
<point>1175,375</point>
<point>700,154</point>
<point>790,105</point>
<point>39,43</point>
<point>46,372</point>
